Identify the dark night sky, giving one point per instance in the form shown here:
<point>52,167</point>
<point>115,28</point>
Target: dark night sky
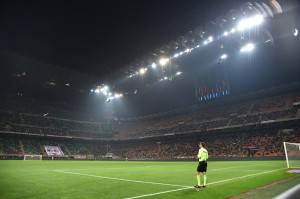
<point>97,37</point>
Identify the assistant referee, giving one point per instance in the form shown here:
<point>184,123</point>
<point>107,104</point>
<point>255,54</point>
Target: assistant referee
<point>202,166</point>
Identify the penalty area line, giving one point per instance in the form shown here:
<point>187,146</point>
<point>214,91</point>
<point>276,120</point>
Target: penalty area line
<point>212,183</point>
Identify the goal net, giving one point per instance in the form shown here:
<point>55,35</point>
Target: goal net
<point>33,157</point>
<point>292,154</point>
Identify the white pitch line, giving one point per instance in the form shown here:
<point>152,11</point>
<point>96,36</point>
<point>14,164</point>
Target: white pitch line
<point>121,179</point>
<point>159,193</point>
<point>108,168</point>
<point>217,182</point>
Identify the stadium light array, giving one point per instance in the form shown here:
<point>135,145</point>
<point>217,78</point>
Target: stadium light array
<point>164,61</point>
<point>247,48</point>
<point>242,25</point>
<point>250,22</point>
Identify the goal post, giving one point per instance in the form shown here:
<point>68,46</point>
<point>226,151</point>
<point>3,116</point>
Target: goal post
<point>33,157</point>
<point>292,154</point>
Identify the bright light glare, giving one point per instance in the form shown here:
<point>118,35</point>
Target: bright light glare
<point>142,71</point>
<point>225,34</point>
<point>176,55</point>
<point>232,30</point>
<point>165,78</point>
<point>153,65</point>
<point>104,88</point>
<point>209,40</point>
<point>187,50</point>
<point>250,22</point>
<point>296,32</point>
<point>248,48</point>
<point>92,90</point>
<point>178,73</point>
<point>118,95</point>
<point>224,56</point>
<point>164,61</point>
<point>97,91</point>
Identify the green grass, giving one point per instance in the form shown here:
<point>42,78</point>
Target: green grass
<point>80,179</point>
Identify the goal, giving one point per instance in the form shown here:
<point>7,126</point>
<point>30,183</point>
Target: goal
<point>33,157</point>
<point>292,154</point>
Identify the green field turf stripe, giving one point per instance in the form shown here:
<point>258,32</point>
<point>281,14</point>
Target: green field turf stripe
<point>122,179</point>
<point>212,183</point>
<point>243,166</point>
<point>245,176</point>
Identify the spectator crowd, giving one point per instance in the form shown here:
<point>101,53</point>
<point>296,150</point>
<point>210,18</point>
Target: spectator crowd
<point>23,132</point>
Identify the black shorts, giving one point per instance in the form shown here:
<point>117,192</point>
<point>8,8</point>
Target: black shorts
<point>202,167</point>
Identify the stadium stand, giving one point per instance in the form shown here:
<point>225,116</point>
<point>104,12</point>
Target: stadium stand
<point>250,128</point>
<point>252,112</point>
<point>240,144</point>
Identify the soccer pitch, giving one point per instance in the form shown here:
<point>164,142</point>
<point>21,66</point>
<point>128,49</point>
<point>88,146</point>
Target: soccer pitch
<point>129,180</point>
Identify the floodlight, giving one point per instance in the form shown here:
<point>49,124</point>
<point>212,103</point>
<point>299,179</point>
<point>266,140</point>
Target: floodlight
<point>210,39</point>
<point>175,55</point>
<point>247,48</point>
<point>153,65</point>
<point>225,34</point>
<point>118,95</point>
<point>296,32</point>
<point>250,22</point>
<point>142,71</point>
<point>104,93</point>
<point>104,88</point>
<point>232,30</point>
<point>187,50</point>
<point>164,61</point>
<point>178,73</point>
<point>166,78</point>
<point>224,56</point>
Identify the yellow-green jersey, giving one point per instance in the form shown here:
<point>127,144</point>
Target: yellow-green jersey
<point>202,155</point>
